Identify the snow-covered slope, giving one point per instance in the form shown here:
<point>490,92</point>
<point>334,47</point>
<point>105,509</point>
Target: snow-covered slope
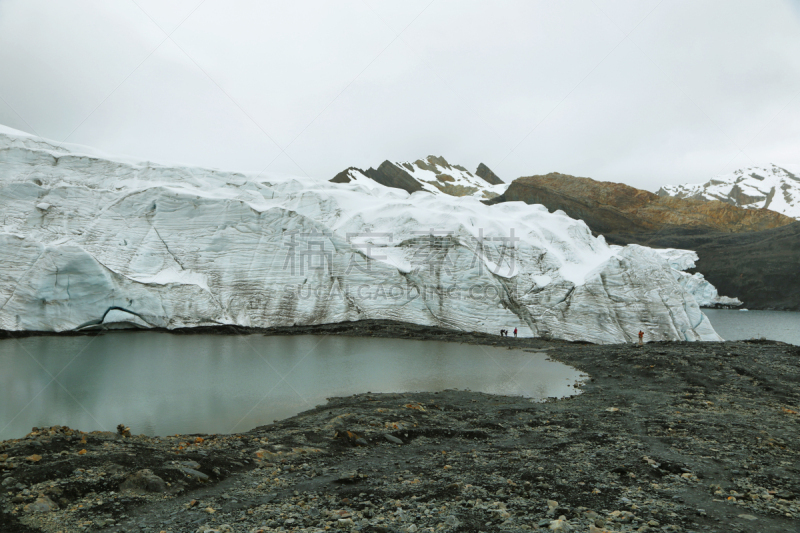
<point>776,188</point>
<point>86,239</point>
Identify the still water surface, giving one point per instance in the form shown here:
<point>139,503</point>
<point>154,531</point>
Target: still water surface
<point>159,384</point>
<point>735,325</point>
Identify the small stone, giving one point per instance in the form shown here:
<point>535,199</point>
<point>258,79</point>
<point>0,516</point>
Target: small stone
<point>393,439</point>
<point>195,474</point>
<point>559,525</point>
<point>9,481</point>
<point>748,517</point>
<point>451,521</point>
<point>34,458</point>
<point>43,504</point>
<point>144,481</point>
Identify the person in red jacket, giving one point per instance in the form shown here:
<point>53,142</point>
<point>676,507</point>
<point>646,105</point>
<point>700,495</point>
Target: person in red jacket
<point>515,332</point>
<point>641,338</point>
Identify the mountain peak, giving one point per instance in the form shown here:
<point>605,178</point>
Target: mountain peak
<point>434,174</point>
<point>487,174</point>
<point>774,187</point>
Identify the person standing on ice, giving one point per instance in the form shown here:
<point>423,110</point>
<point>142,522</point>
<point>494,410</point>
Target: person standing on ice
<point>641,338</point>
<point>515,332</point>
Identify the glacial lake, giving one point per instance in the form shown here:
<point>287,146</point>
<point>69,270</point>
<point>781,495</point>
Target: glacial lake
<point>160,384</point>
<point>735,325</point>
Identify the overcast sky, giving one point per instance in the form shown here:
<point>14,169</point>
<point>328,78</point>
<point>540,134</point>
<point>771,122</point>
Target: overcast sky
<point>644,92</point>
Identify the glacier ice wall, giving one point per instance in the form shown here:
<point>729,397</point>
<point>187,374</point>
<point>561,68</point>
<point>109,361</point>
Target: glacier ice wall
<point>704,293</point>
<point>89,239</point>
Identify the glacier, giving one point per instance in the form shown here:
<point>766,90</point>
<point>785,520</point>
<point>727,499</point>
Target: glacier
<point>92,240</point>
<point>704,293</point>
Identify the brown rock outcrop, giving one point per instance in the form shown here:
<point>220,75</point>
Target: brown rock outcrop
<point>614,207</point>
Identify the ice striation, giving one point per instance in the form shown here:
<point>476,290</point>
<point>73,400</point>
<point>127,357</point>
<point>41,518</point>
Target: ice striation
<point>704,293</point>
<point>775,187</point>
<point>89,239</point>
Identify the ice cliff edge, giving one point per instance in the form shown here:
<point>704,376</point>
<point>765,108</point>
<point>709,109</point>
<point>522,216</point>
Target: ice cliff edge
<point>88,239</point>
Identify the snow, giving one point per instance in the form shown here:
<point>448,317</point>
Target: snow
<point>773,187</point>
<point>437,177</point>
<point>149,245</point>
<point>430,178</point>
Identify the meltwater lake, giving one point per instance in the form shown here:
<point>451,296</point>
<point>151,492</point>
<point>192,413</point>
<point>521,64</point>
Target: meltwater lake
<point>736,325</point>
<point>159,384</point>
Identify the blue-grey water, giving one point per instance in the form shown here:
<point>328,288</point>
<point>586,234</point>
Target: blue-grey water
<point>159,384</point>
<point>736,325</point>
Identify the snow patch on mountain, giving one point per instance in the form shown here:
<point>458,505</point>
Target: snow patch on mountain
<point>124,243</point>
<point>432,174</point>
<point>773,187</point>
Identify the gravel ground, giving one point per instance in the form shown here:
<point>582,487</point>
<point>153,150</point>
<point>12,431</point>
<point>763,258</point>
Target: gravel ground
<point>666,437</point>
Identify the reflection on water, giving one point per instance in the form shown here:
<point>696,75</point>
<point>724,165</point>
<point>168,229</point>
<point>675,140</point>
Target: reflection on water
<point>735,325</point>
<point>158,383</point>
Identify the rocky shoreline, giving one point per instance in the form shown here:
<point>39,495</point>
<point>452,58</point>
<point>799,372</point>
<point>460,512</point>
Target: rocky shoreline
<point>667,437</point>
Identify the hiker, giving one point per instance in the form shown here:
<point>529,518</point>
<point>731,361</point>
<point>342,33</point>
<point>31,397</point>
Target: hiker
<point>501,332</point>
<point>515,332</point>
<point>641,338</point>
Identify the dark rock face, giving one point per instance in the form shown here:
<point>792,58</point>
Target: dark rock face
<point>750,254</point>
<point>387,174</point>
<point>761,268</point>
<point>393,176</point>
<point>344,175</point>
<point>487,175</point>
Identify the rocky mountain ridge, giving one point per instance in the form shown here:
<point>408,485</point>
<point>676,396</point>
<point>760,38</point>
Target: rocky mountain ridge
<point>615,207</point>
<point>774,187</point>
<point>432,174</point>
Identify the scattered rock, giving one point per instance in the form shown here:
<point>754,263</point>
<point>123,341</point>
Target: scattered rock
<point>43,504</point>
<point>144,481</point>
<point>392,439</point>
